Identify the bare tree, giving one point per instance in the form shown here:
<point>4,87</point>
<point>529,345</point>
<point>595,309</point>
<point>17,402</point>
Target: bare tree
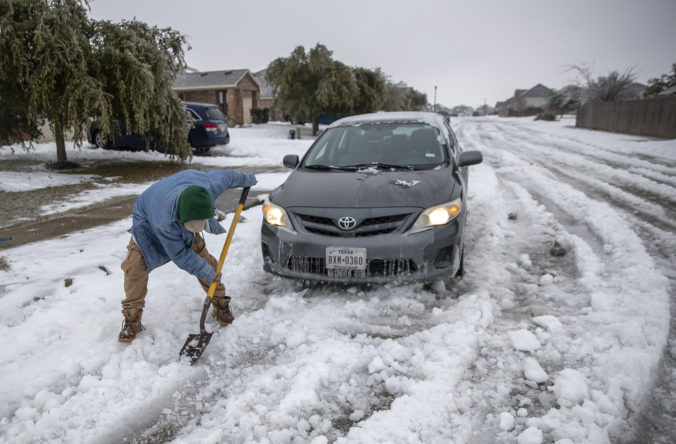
<point>615,85</point>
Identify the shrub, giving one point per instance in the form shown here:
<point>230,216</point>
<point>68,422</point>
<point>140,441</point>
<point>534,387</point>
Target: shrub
<point>548,115</point>
<point>260,115</point>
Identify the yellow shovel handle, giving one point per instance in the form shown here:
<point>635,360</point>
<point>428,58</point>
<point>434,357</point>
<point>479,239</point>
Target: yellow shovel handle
<point>224,252</point>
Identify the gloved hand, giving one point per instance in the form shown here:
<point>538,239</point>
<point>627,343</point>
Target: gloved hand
<point>250,180</point>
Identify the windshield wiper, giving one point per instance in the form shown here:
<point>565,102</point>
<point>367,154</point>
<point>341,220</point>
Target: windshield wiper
<point>327,167</point>
<point>381,165</point>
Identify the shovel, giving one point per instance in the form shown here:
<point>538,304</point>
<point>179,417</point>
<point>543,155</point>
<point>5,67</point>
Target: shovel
<point>196,343</point>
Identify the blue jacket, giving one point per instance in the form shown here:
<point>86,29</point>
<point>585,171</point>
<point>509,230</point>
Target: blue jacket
<point>157,230</point>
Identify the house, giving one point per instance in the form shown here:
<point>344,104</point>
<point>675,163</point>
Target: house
<point>526,102</point>
<point>502,108</point>
<point>532,101</point>
<point>236,91</point>
<point>267,98</point>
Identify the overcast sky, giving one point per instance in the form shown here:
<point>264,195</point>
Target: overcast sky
<point>472,50</point>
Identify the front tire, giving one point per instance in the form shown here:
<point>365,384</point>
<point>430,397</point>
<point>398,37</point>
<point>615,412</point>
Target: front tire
<point>461,269</point>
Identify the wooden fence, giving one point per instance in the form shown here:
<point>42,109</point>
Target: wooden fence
<point>647,117</point>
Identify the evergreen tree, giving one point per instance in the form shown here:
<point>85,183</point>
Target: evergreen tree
<point>416,100</point>
<point>371,86</point>
<point>307,84</point>
<point>58,66</point>
<point>136,65</point>
<point>564,101</point>
<point>666,81</point>
<point>396,98</point>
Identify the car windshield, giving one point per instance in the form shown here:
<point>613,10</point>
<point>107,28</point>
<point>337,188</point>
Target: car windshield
<point>214,113</point>
<point>380,145</point>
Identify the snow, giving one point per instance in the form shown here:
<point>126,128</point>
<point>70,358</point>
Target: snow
<point>506,421</point>
<point>532,435</point>
<point>527,347</point>
<point>570,387</point>
<point>533,371</point>
<point>524,340</point>
<point>16,181</point>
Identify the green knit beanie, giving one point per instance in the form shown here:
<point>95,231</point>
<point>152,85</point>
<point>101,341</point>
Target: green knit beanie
<point>194,203</point>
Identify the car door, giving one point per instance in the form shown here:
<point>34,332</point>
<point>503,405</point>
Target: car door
<point>197,136</point>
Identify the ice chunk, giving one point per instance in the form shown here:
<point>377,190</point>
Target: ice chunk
<point>533,371</point>
<point>548,322</point>
<point>506,421</point>
<point>524,260</point>
<point>532,435</point>
<point>524,340</point>
<point>570,387</point>
<point>546,279</point>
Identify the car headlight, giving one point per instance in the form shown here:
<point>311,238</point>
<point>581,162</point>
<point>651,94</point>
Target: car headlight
<point>276,215</point>
<point>438,215</point>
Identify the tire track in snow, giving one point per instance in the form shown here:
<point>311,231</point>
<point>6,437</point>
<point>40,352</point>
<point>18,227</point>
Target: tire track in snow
<point>632,183</point>
<point>654,222</point>
<point>612,246</point>
<point>594,152</point>
<point>628,199</point>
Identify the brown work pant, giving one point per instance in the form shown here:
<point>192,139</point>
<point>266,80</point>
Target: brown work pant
<point>136,274</point>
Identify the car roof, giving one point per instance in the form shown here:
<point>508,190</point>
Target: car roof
<point>428,118</point>
<point>199,104</point>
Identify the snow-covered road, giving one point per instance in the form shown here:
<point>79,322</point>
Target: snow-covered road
<point>529,346</point>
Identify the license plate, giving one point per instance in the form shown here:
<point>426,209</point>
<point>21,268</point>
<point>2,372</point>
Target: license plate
<point>221,127</point>
<point>345,258</point>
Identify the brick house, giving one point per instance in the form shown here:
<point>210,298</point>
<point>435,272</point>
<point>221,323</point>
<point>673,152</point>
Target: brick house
<point>525,102</point>
<point>236,91</point>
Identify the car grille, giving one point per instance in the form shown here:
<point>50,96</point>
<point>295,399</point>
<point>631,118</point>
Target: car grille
<point>368,227</point>
<point>375,267</point>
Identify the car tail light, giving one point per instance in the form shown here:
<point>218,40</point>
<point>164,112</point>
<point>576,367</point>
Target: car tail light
<point>211,127</point>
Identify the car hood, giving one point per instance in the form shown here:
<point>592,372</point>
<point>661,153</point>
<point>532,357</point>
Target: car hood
<point>365,189</point>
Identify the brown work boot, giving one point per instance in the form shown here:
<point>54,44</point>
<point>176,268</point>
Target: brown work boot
<point>222,310</point>
<point>132,324</point>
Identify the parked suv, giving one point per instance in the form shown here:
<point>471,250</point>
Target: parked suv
<point>377,198</point>
<point>207,128</point>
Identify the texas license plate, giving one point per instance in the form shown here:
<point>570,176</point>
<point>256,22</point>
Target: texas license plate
<point>345,258</point>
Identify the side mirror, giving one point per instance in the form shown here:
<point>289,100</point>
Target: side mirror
<point>290,161</point>
<point>470,158</point>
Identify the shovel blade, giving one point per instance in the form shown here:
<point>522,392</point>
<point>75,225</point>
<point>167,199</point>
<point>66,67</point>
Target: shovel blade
<point>194,346</point>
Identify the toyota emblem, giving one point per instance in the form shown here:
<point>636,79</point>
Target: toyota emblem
<point>347,223</point>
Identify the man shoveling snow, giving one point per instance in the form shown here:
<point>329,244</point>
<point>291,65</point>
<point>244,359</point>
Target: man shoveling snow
<point>166,224</point>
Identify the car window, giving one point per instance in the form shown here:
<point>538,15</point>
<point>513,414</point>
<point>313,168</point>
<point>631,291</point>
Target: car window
<point>451,138</point>
<point>214,113</point>
<point>192,115</point>
<point>415,145</point>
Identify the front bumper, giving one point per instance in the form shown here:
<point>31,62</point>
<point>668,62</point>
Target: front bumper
<point>425,256</point>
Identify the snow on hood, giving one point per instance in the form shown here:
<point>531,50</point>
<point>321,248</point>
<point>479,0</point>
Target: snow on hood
<point>361,189</point>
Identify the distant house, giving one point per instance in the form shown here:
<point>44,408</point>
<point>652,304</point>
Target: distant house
<point>502,108</point>
<point>525,102</point>
<point>236,91</point>
<point>267,98</point>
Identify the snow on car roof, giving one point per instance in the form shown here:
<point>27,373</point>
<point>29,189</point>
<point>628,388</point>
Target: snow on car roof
<point>396,116</point>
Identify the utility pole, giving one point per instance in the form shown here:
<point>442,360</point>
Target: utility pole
<point>435,99</point>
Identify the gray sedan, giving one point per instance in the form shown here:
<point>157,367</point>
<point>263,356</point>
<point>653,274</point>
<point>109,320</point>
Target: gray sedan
<point>377,198</point>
